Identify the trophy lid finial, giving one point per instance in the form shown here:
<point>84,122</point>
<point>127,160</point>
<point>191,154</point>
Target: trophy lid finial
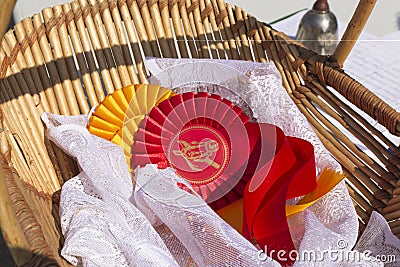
<point>321,5</point>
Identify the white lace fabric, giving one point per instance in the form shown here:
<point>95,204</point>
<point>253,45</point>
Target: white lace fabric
<point>107,221</point>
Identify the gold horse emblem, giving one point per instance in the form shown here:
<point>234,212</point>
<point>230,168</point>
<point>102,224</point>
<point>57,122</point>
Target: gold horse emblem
<point>198,152</point>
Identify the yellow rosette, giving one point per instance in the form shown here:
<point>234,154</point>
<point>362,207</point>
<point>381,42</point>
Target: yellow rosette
<point>118,116</point>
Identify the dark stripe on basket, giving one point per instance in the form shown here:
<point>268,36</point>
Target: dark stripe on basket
<point>266,44</point>
<point>237,26</point>
<point>252,31</point>
<point>282,54</point>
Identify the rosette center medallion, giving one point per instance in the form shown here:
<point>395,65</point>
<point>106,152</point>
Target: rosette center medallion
<point>199,153</point>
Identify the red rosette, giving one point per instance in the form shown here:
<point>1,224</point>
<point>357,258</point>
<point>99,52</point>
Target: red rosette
<point>204,138</point>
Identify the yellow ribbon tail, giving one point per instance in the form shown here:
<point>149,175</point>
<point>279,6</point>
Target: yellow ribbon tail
<point>327,180</point>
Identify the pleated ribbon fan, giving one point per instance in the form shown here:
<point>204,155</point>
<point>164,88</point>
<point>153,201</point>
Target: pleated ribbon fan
<point>194,134</point>
<point>117,117</point>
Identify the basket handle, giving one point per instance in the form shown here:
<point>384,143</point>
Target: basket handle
<point>353,31</point>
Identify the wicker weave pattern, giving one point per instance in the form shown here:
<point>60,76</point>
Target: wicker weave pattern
<point>109,39</point>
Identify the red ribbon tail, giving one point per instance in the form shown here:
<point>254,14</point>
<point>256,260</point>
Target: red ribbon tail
<point>290,173</point>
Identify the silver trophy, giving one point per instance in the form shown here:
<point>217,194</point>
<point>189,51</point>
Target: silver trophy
<point>318,29</point>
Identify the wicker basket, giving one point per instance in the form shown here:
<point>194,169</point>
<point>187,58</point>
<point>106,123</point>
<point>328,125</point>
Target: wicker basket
<point>108,39</point>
